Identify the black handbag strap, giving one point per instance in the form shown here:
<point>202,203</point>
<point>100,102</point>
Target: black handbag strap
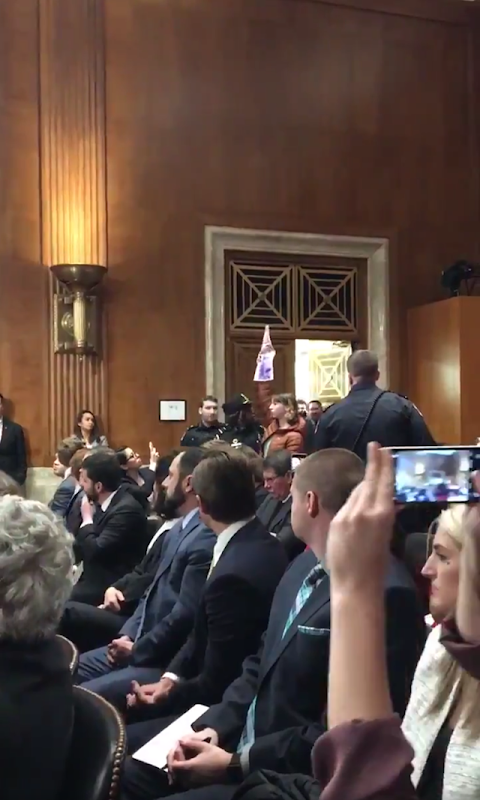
<point>367,420</point>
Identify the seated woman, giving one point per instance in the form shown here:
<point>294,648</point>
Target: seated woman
<point>36,694</point>
<point>365,755</point>
<point>138,479</point>
<point>87,431</point>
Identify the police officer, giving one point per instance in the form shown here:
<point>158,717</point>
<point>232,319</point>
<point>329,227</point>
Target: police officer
<point>208,428</point>
<point>370,414</point>
<point>242,427</point>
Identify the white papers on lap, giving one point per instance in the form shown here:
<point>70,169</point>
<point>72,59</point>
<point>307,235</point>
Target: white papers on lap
<point>155,752</point>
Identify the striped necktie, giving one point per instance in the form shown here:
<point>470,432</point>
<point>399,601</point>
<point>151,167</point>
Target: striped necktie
<point>313,579</point>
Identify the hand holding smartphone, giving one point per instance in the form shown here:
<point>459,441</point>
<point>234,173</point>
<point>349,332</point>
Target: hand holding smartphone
<point>435,474</point>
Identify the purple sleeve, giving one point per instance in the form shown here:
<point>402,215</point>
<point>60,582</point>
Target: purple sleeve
<point>364,760</point>
<point>467,655</point>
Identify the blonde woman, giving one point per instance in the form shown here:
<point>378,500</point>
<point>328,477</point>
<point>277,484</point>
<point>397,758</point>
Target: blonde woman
<point>442,721</point>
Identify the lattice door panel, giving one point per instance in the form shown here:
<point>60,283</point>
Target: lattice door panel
<point>327,299</point>
<point>297,299</point>
<point>328,374</point>
<point>259,296</point>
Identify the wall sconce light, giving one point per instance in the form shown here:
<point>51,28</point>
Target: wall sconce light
<point>76,312</point>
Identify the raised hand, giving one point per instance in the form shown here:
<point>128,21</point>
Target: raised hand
<point>360,534</point>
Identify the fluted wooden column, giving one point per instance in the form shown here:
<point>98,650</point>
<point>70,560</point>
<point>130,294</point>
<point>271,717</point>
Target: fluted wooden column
<point>73,182</point>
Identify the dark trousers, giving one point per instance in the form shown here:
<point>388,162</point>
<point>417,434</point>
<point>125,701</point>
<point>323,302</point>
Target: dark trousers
<point>89,627</point>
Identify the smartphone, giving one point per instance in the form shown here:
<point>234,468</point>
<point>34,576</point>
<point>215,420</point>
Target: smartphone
<point>297,459</point>
<point>435,474</point>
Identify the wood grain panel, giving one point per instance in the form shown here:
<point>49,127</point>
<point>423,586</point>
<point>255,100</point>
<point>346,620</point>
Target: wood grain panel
<point>73,181</point>
<point>469,368</point>
<point>23,281</point>
<point>302,116</point>
<point>435,373</point>
<point>356,117</point>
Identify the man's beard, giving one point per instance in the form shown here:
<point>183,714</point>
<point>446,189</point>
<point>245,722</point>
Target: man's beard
<point>173,503</point>
<point>92,494</point>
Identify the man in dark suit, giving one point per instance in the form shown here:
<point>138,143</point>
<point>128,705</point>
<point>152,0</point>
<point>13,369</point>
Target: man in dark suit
<point>13,453</point>
<point>270,717</point>
<point>275,511</point>
<point>164,618</point>
<point>112,537</point>
<point>89,627</point>
<point>233,612</point>
<point>315,412</point>
<point>66,490</point>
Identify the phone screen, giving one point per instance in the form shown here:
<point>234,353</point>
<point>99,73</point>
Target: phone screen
<point>435,474</point>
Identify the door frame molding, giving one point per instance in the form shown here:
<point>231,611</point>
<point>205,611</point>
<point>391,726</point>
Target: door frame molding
<point>218,239</point>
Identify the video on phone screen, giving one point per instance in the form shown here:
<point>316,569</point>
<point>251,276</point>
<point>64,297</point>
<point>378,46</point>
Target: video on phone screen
<point>433,476</point>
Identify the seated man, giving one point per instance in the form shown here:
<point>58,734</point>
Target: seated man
<point>275,511</point>
<point>270,717</point>
<point>164,618</point>
<point>233,612</point>
<point>88,626</point>
<point>65,491</point>
<point>112,537</point>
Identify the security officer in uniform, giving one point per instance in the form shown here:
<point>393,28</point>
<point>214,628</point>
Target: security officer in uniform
<point>241,426</point>
<point>370,414</point>
<point>208,428</point>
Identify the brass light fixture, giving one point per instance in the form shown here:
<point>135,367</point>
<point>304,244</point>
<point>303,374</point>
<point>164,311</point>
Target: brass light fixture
<point>76,310</point>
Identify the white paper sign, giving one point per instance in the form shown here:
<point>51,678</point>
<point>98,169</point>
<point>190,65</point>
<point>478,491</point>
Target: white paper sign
<point>264,369</point>
<point>155,752</point>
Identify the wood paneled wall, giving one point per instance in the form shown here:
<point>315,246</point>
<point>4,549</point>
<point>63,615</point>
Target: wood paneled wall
<point>356,117</point>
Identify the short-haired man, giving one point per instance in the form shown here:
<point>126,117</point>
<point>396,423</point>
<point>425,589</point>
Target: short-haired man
<point>271,716</point>
<point>208,428</point>
<point>315,411</point>
<point>13,452</point>
<point>163,619</point>
<point>275,511</point>
<point>370,414</point>
<point>65,491</point>
<point>112,537</point>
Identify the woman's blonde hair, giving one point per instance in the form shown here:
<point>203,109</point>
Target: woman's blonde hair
<point>290,403</point>
<point>466,702</point>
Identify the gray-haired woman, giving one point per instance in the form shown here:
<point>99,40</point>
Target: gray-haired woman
<point>36,694</point>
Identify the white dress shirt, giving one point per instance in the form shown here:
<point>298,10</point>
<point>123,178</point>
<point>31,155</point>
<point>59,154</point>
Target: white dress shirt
<point>169,523</point>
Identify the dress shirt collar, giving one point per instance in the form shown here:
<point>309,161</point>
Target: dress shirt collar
<point>188,517</point>
<point>169,523</point>
<point>68,472</point>
<point>224,538</point>
<point>107,502</point>
<point>1,427</point>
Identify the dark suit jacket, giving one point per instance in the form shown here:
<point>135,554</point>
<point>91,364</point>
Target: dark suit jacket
<point>276,516</point>
<point>232,615</point>
<point>134,584</point>
<point>140,493</point>
<point>173,597</point>
<point>64,494</point>
<point>13,454</point>
<point>289,675</point>
<point>36,714</point>
<point>110,547</point>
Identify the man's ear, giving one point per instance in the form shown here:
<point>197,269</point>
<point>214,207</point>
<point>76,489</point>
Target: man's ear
<point>313,505</point>
<point>187,484</point>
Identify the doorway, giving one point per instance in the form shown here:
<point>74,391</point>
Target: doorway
<point>321,370</point>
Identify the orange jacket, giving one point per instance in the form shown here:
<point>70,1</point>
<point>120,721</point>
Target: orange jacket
<point>291,438</point>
